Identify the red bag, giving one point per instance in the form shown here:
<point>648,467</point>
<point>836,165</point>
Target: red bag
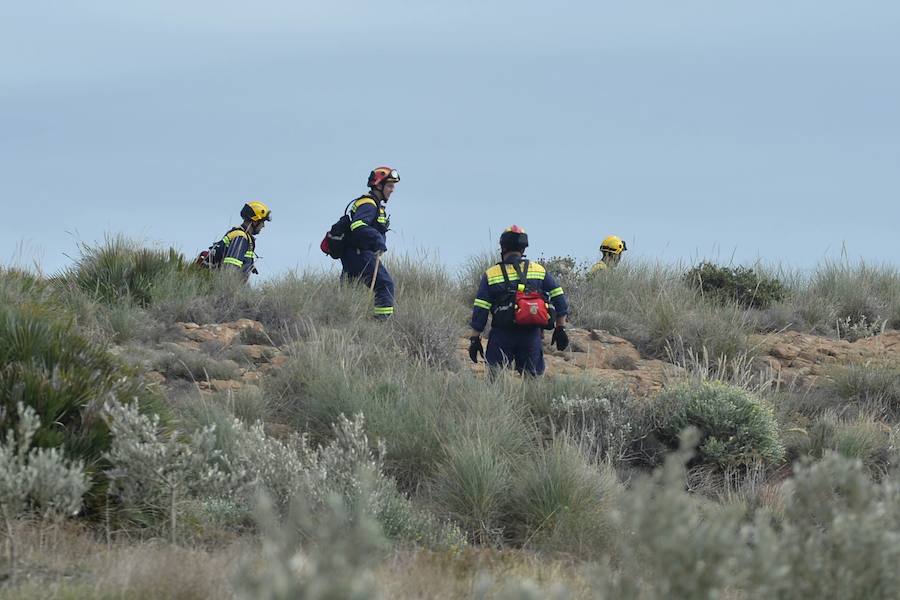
<point>531,309</point>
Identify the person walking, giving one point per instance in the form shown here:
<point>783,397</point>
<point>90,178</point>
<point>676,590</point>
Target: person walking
<point>369,224</point>
<point>523,300</point>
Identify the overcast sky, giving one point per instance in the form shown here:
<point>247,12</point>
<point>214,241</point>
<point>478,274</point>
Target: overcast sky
<point>693,129</point>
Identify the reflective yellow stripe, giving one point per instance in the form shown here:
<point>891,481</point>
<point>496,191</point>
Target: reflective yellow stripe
<point>226,240</point>
<point>556,292</point>
<point>249,254</point>
<point>232,261</point>
<point>493,280</point>
<point>536,275</point>
<point>382,220</point>
<point>356,225</point>
<point>361,202</point>
<point>482,303</point>
<point>384,310</point>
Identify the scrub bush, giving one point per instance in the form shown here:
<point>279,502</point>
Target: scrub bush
<point>471,486</point>
<point>559,500</point>
<point>741,285</point>
<point>607,426</point>
<point>320,554</point>
<point>37,481</point>
<point>868,384</point>
<point>157,470</point>
<point>653,307</point>
<point>121,270</point>
<point>861,437</point>
<point>47,365</point>
<point>737,428</point>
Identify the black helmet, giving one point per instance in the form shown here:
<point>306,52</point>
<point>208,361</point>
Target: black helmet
<point>513,239</point>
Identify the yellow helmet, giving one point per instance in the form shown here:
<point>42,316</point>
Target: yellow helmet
<point>256,211</point>
<point>613,244</point>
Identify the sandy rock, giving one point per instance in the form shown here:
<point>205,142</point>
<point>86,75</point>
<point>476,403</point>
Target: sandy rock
<point>279,360</point>
<point>222,333</point>
<point>251,377</point>
<point>255,352</point>
<point>224,385</point>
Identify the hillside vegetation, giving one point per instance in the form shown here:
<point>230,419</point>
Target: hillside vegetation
<point>172,432</point>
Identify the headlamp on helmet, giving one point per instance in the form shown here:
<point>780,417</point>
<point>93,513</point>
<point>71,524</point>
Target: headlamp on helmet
<point>382,175</point>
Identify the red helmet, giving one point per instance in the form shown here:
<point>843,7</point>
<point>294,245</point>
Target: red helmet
<point>381,175</point>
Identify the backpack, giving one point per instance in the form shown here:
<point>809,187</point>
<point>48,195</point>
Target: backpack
<point>335,240</point>
<point>523,306</point>
<point>211,258</point>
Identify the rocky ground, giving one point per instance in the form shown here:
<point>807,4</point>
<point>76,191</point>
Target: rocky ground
<point>245,353</point>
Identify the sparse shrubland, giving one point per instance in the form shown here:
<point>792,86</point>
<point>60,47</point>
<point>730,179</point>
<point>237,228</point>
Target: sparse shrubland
<point>372,462</point>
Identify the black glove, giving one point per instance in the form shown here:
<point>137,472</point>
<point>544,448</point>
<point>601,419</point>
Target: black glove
<point>475,348</point>
<point>560,338</point>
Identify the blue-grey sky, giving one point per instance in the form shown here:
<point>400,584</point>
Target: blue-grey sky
<point>755,130</point>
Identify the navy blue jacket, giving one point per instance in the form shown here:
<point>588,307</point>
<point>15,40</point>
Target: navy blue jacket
<point>369,224</point>
<point>494,289</point>
<point>240,251</point>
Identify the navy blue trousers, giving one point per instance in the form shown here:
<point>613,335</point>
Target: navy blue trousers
<point>520,347</point>
<point>360,265</point>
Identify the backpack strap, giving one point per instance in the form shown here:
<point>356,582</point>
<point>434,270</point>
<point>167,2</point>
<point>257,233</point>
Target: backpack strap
<point>523,283</point>
<point>522,273</point>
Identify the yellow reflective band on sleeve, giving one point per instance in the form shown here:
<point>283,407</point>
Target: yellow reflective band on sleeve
<point>226,240</point>
<point>356,225</point>
<point>249,254</point>
<point>362,202</point>
<point>483,303</point>
<point>556,292</point>
<point>382,220</point>
<point>232,261</point>
<point>384,310</point>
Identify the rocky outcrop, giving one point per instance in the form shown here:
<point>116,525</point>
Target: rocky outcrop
<point>243,353</point>
<point>799,357</point>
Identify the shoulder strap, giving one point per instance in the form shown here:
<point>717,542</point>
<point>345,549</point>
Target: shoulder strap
<point>522,273</point>
<point>502,266</point>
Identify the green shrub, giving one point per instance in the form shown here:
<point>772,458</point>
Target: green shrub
<point>654,308</point>
<point>849,300</point>
<point>347,467</point>
<point>606,425</point>
<point>122,270</point>
<point>741,285</point>
<point>471,486</point>
<point>861,437</point>
<point>194,365</point>
<point>868,384</point>
<point>737,428</point>
<point>559,500</point>
<point>64,378</point>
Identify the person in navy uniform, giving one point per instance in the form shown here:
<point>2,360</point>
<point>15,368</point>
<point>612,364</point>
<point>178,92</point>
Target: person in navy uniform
<point>369,224</point>
<point>510,343</point>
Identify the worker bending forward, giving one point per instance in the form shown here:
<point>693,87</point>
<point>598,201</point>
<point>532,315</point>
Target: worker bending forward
<point>523,299</point>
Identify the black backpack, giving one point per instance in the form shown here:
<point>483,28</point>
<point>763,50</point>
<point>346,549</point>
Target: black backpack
<point>335,241</point>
